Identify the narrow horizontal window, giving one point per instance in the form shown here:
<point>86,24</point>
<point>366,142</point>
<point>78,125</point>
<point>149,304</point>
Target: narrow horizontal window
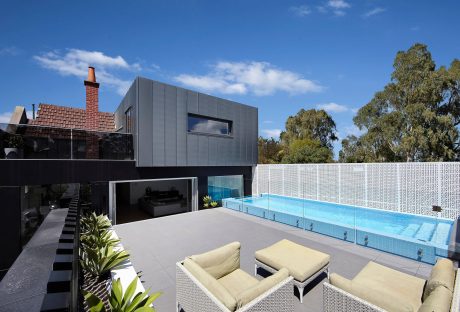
<point>208,125</point>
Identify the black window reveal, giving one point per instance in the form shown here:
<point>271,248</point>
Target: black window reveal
<point>128,121</point>
<point>209,125</point>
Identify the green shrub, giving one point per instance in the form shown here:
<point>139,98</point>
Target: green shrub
<point>101,260</point>
<point>207,201</point>
<point>94,224</point>
<point>214,204</point>
<point>91,241</point>
<point>119,302</point>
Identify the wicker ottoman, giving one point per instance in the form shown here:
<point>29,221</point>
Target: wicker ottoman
<point>304,264</point>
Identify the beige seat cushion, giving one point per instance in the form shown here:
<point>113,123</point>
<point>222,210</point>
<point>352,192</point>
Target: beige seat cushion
<point>381,297</point>
<point>237,281</point>
<point>211,284</point>
<point>405,286</point>
<point>439,300</point>
<point>302,262</point>
<point>220,261</point>
<point>442,274</point>
<point>261,287</point>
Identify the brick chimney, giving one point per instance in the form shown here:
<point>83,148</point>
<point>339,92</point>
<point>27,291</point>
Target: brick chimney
<point>92,100</point>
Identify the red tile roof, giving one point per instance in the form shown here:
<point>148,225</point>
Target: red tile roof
<point>69,117</point>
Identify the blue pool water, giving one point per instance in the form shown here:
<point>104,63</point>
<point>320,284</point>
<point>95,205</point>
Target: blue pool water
<point>413,236</point>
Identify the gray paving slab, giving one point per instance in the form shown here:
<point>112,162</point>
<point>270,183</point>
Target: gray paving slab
<point>157,244</point>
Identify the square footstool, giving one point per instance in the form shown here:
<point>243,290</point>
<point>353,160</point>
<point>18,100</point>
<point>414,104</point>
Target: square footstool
<point>304,264</point>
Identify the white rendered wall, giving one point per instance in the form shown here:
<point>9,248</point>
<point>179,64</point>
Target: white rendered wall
<point>405,187</point>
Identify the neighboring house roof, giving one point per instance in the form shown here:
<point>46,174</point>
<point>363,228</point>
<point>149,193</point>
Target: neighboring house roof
<point>69,117</point>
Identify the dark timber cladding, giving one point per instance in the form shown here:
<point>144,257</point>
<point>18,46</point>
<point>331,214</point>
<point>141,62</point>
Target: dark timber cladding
<point>161,113</point>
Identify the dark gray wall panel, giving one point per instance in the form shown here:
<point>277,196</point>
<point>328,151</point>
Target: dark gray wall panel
<point>213,151</point>
<point>225,109</point>
<point>247,130</point>
<point>158,124</point>
<point>235,116</point>
<point>203,150</point>
<point>242,135</point>
<point>145,109</point>
<point>192,150</point>
<point>162,139</point>
<point>203,105</point>
<point>207,105</point>
<point>192,102</point>
<point>171,125</point>
<point>132,102</point>
<point>181,131</point>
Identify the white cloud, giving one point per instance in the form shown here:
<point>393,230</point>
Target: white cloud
<point>338,4</point>
<point>5,117</point>
<point>332,107</point>
<point>301,10</point>
<point>338,7</point>
<point>354,130</point>
<point>259,78</point>
<point>271,133</point>
<point>373,12</point>
<point>11,51</point>
<point>75,62</point>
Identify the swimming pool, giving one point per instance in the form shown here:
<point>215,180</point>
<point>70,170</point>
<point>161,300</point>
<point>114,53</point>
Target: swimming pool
<point>418,237</point>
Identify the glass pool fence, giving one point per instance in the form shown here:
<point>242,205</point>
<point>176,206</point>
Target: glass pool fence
<point>422,238</point>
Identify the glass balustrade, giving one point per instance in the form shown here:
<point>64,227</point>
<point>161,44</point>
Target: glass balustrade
<point>37,142</point>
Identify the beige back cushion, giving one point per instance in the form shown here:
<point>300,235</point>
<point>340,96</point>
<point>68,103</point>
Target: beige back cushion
<point>255,291</point>
<point>439,300</point>
<point>221,261</point>
<point>442,274</point>
<point>379,297</point>
<point>211,284</point>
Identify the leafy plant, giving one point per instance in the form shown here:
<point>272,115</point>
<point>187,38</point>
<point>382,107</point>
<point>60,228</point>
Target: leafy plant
<point>123,302</point>
<point>91,241</point>
<point>207,201</point>
<point>94,224</point>
<point>101,260</point>
<point>213,204</point>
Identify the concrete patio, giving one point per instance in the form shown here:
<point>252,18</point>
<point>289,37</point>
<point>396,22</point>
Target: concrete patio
<point>156,245</point>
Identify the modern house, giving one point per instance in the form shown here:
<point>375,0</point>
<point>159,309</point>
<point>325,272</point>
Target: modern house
<point>162,150</point>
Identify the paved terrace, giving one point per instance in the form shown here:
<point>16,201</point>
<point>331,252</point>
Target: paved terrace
<point>157,244</point>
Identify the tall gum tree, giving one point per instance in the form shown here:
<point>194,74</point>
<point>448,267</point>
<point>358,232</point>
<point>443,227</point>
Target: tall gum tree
<point>415,116</point>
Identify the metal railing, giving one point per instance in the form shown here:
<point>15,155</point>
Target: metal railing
<point>19,141</point>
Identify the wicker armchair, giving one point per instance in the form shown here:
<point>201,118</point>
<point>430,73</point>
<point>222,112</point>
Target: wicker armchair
<point>203,286</point>
<point>441,298</point>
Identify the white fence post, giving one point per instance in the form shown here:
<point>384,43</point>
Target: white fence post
<point>365,186</point>
<point>398,187</point>
<point>317,182</point>
<point>439,173</point>
<point>340,183</point>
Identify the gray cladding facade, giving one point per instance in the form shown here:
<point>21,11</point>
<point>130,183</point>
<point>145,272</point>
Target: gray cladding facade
<point>160,127</point>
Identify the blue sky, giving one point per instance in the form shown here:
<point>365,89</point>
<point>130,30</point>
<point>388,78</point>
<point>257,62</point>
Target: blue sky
<point>277,55</point>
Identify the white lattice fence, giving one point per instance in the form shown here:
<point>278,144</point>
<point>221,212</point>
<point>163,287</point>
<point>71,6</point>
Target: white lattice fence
<point>405,187</point>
